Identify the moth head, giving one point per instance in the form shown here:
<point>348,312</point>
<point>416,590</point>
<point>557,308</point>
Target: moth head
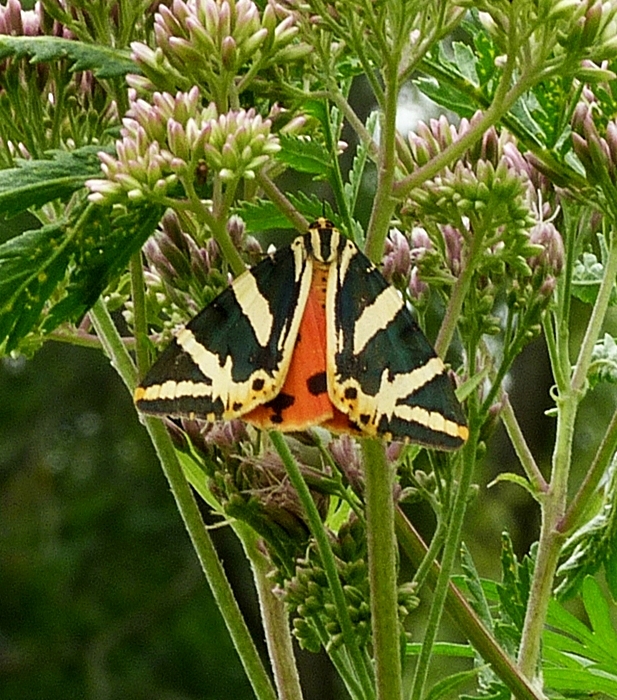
<point>324,239</point>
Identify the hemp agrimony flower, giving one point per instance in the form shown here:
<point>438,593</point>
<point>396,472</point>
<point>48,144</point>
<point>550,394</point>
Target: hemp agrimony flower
<point>217,43</point>
<point>165,144</point>
<point>598,154</point>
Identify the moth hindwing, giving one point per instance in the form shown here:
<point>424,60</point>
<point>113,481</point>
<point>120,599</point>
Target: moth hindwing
<point>312,335</point>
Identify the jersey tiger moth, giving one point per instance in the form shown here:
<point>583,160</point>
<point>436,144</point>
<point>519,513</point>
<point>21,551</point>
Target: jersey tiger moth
<point>311,335</point>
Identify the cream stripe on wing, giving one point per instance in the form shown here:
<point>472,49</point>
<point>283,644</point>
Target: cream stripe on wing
<point>376,317</point>
<point>391,391</point>
<point>431,420</point>
<point>254,306</point>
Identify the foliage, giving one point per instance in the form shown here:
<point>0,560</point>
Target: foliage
<point>497,222</point>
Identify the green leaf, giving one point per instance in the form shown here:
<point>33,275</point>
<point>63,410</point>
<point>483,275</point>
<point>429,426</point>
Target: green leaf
<point>518,480</point>
<point>599,614</point>
<point>103,61</point>
<point>465,61</point>
<point>461,77</point>
<point>582,680</point>
<point>561,649</point>
<point>562,620</point>
<point>514,589</point>
<point>594,543</point>
<point>107,240</point>
<point>489,588</point>
<point>261,215</point>
<point>474,585</point>
<point>450,683</point>
<point>446,96</point>
<point>55,273</point>
<point>31,267</point>
<point>603,367</point>
<point>588,273</point>
<point>576,658</point>
<point>264,215</point>
<point>304,155</point>
<point>197,478</point>
<point>35,182</point>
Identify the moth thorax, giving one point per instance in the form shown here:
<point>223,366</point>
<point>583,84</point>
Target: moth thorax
<point>324,240</point>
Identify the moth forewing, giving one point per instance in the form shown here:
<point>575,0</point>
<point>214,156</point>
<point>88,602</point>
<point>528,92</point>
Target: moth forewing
<point>235,354</point>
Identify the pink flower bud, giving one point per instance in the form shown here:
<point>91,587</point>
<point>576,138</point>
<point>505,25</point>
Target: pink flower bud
<point>236,229</point>
<point>417,288</point>
<point>420,243</point>
<point>454,246</point>
<point>346,454</point>
<point>400,255</point>
<point>553,254</point>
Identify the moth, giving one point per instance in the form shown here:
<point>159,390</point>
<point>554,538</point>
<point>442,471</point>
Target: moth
<point>311,335</point>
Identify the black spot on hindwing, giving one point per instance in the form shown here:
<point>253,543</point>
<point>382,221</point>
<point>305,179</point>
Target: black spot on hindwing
<point>317,384</point>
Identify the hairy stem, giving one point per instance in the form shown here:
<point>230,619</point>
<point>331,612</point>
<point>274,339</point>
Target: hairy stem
<point>189,511</point>
<point>329,563</point>
<point>598,468</point>
<point>551,540</point>
<point>521,447</point>
<point>381,541</point>
<point>274,617</point>
<point>465,474</point>
<point>383,202</point>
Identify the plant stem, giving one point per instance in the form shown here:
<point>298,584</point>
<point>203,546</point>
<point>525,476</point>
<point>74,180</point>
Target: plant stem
<point>466,467</point>
<point>189,511</point>
<point>281,201</point>
<point>337,97</point>
<point>554,507</point>
<point>598,468</point>
<point>455,303</point>
<point>329,563</point>
<point>274,617</point>
<point>464,616</point>
<point>381,541</point>
<point>521,447</point>
<point>598,314</point>
<point>551,540</point>
<point>383,202</point>
<point>113,344</point>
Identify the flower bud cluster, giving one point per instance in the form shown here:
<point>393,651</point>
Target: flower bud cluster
<point>168,141</point>
<point>482,183</point>
<point>487,180</point>
<point>401,260</point>
<point>551,254</point>
<point>346,454</point>
<point>17,22</point>
<point>585,29</point>
<point>222,437</point>
<point>180,264</point>
<point>211,42</point>
<point>310,601</point>
<point>182,275</point>
<point>593,29</point>
<point>598,154</point>
<point>495,193</point>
